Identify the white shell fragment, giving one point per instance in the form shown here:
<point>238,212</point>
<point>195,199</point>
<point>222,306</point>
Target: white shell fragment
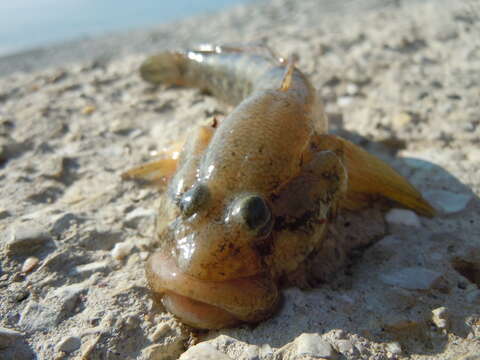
<point>402,217</point>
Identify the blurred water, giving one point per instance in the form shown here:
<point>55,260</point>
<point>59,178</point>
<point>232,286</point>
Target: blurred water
<point>31,23</point>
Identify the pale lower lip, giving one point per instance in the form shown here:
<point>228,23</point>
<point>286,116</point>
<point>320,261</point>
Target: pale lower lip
<point>210,304</point>
<point>197,314</point>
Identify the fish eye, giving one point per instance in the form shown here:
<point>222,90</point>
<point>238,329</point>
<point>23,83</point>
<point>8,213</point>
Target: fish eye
<point>193,199</point>
<point>254,212</point>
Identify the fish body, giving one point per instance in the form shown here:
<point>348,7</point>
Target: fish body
<point>249,199</point>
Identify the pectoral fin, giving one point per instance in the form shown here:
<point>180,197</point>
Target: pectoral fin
<point>155,172</point>
<point>370,178</point>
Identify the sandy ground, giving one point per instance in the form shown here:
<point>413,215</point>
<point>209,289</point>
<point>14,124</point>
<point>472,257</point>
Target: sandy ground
<point>401,78</point>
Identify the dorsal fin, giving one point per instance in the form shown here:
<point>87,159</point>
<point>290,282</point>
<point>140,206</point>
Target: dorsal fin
<point>288,75</point>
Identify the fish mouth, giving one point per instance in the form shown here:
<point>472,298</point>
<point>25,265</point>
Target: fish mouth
<point>208,304</point>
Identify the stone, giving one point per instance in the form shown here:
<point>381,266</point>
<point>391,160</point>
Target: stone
<point>29,264</point>
<point>440,317</point>
<point>121,250</point>
<point>344,101</point>
<point>394,348</point>
<point>412,278</point>
<point>69,344</point>
<point>67,297</point>
<point>8,337</point>
<point>53,167</point>
<point>88,110</point>
<point>402,217</point>
<point>352,89</point>
<point>446,201</point>
<point>90,268</point>
<point>309,345</point>
<point>26,239</point>
<point>204,351</point>
<point>345,346</point>
<point>251,352</point>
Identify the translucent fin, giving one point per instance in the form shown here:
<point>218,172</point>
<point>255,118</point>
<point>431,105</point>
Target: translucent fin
<point>370,178</point>
<point>159,171</point>
<point>287,78</point>
<point>156,172</point>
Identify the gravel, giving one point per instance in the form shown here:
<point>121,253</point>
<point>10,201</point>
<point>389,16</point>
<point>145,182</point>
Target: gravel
<point>399,78</point>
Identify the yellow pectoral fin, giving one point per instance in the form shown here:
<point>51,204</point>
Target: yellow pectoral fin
<point>370,177</point>
<point>155,172</point>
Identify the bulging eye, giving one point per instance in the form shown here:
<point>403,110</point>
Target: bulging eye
<point>193,199</point>
<point>254,212</point>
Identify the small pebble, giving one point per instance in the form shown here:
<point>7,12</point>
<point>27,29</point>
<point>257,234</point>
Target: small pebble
<point>67,297</point>
<point>54,167</point>
<point>394,348</point>
<point>121,250</point>
<point>314,345</point>
<point>412,278</point>
<point>25,239</point>
<point>29,264</point>
<point>345,346</point>
<point>8,337</point>
<point>344,100</point>
<point>91,268</point>
<point>352,89</point>
<point>446,201</point>
<point>440,317</point>
<point>251,352</point>
<point>69,344</point>
<point>203,351</point>
<point>88,110</point>
<point>402,217</point>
